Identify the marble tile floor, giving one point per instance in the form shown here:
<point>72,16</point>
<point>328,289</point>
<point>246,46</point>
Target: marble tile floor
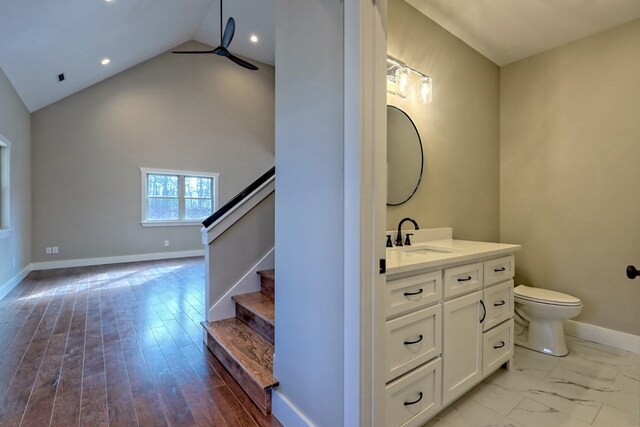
<point>594,385</point>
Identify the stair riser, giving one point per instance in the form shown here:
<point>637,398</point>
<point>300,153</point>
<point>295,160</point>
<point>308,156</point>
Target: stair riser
<point>267,286</point>
<point>262,398</point>
<point>258,324</point>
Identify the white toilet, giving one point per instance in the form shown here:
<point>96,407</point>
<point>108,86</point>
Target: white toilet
<point>540,314</point>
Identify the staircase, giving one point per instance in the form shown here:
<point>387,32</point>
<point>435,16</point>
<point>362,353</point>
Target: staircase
<point>245,344</point>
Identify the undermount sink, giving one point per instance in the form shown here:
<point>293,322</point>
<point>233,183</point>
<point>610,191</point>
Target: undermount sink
<point>428,249</point>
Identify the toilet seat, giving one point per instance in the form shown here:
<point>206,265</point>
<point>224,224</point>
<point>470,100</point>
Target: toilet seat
<point>545,296</point>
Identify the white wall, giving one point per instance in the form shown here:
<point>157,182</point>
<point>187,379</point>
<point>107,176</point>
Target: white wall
<point>195,113</point>
<point>570,170</point>
<point>15,125</point>
<point>309,209</point>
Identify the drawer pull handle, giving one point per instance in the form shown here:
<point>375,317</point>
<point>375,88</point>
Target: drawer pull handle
<point>484,311</point>
<point>466,279</point>
<point>498,304</point>
<point>407,294</point>
<point>413,342</point>
<point>415,401</point>
<point>497,270</point>
<point>499,345</point>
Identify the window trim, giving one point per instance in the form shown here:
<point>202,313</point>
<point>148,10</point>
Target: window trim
<point>144,172</point>
<point>5,188</point>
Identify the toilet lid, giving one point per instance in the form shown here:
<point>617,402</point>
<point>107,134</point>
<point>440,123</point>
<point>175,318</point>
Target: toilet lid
<point>545,296</point>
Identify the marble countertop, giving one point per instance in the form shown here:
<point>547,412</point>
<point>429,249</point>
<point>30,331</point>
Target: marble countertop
<point>437,253</point>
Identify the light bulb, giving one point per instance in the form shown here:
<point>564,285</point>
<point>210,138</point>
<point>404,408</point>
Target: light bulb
<point>425,90</point>
<point>403,82</point>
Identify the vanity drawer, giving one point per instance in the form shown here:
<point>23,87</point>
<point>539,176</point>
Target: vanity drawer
<point>412,340</point>
<point>499,270</point>
<point>463,279</point>
<point>497,347</point>
<point>413,398</point>
<point>498,301</point>
<point>413,292</point>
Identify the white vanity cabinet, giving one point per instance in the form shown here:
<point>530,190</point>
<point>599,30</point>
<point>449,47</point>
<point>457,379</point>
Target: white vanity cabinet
<point>448,327</point>
<point>462,352</point>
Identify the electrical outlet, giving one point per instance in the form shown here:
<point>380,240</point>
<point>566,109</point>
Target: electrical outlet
<point>166,243</point>
<point>48,251</point>
<point>54,250</point>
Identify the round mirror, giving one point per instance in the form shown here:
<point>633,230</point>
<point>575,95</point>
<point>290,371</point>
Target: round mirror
<point>404,157</point>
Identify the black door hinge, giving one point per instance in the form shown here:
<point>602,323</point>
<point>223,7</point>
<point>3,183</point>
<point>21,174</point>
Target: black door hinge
<point>383,266</point>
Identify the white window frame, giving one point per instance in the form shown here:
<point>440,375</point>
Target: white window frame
<point>5,188</point>
<point>144,172</point>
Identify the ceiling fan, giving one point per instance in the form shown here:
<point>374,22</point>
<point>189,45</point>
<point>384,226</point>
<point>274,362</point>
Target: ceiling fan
<point>225,40</point>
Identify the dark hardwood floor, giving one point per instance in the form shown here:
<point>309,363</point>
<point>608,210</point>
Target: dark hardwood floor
<point>117,345</point>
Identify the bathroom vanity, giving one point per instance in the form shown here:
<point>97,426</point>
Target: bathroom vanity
<point>448,307</point>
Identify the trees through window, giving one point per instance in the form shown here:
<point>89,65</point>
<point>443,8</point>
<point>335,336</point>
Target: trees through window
<point>178,197</point>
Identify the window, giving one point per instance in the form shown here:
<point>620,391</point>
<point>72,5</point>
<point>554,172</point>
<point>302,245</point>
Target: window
<point>5,229</point>
<point>177,197</point>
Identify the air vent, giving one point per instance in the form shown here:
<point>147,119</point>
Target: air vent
<point>61,77</point>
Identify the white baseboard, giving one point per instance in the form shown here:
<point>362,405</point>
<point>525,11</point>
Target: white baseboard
<point>250,282</point>
<point>14,281</point>
<point>83,262</point>
<point>286,412</point>
<point>610,337</point>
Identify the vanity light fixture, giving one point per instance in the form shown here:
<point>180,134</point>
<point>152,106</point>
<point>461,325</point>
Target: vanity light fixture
<point>424,97</point>
<point>403,80</point>
<point>403,76</point>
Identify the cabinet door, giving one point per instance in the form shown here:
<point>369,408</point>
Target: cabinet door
<point>462,345</point>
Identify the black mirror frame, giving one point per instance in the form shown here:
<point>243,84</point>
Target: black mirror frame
<point>421,158</point>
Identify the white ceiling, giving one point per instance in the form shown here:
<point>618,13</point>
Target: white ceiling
<point>508,30</point>
<point>40,39</point>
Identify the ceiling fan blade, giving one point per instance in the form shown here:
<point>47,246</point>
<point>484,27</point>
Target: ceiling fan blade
<point>222,51</point>
<point>241,62</point>
<point>193,52</point>
<point>229,31</point>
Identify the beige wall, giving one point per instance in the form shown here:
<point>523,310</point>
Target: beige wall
<point>15,125</point>
<point>459,129</point>
<point>570,172</point>
<point>193,113</point>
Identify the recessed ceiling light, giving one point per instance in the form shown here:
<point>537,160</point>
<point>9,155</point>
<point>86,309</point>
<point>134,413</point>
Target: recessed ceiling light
<point>254,38</point>
<point>108,1</point>
<point>105,61</point>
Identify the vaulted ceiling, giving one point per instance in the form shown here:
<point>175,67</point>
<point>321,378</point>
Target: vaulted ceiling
<point>508,30</point>
<point>40,39</point>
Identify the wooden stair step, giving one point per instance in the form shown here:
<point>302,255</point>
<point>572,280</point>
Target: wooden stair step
<point>268,282</point>
<point>246,355</point>
<point>257,310</point>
